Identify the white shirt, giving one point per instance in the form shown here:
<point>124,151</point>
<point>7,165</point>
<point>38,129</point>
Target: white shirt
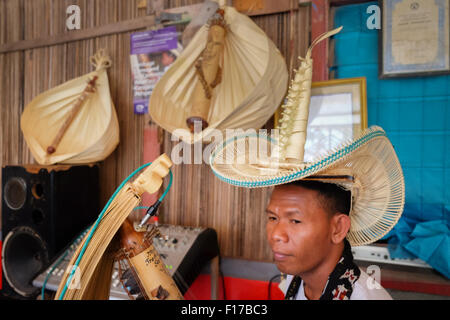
<point>365,288</point>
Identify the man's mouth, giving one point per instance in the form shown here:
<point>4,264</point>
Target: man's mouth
<point>280,256</point>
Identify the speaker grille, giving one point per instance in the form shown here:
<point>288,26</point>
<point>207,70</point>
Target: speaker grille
<point>24,255</point>
<point>42,209</point>
<point>15,193</point>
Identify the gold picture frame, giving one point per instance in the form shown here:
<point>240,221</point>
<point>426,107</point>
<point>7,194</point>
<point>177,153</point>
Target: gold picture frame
<point>338,113</point>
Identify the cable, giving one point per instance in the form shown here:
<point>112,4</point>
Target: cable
<point>223,278</point>
<point>141,208</point>
<point>69,279</point>
<point>168,186</point>
<point>151,211</point>
<point>223,285</point>
<point>269,289</point>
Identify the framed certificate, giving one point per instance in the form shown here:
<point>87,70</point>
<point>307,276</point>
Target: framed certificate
<point>414,38</point>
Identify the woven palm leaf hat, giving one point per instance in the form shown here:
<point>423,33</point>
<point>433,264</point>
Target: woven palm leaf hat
<point>367,166</point>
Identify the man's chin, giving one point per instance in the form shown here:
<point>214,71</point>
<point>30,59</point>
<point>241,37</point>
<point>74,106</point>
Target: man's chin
<point>286,268</point>
<point>282,267</point>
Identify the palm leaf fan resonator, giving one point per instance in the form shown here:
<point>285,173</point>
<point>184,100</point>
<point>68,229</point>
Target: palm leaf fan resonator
<point>75,122</point>
<point>230,76</point>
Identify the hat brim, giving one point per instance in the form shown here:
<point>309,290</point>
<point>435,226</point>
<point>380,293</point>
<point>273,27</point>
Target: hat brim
<point>377,182</point>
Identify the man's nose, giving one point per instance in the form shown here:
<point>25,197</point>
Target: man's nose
<point>279,233</point>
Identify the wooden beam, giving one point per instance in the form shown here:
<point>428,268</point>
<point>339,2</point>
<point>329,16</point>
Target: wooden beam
<point>261,7</point>
<point>113,28</point>
<point>319,25</point>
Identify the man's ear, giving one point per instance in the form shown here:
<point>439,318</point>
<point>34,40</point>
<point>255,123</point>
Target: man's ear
<point>340,227</point>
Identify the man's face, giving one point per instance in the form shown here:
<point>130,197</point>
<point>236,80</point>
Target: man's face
<point>167,59</point>
<point>298,229</point>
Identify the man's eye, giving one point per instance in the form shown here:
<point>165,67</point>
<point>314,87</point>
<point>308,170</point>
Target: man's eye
<point>295,221</point>
<point>270,218</point>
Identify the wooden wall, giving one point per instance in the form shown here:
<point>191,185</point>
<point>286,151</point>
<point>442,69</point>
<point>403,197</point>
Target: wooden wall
<point>197,198</point>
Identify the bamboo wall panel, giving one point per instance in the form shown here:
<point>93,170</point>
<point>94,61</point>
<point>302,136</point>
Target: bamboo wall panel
<point>197,198</point>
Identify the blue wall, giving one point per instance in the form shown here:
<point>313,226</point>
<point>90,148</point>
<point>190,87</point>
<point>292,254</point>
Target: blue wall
<point>415,113</point>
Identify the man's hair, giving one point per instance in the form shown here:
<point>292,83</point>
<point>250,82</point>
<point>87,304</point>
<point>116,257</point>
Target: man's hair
<point>332,198</point>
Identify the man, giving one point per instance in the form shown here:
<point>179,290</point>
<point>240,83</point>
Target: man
<point>351,197</point>
<point>307,222</point>
<point>167,59</point>
<point>312,221</point>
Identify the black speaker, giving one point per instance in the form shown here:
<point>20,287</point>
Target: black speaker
<point>43,209</point>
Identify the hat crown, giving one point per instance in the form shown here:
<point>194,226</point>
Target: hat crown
<point>294,121</point>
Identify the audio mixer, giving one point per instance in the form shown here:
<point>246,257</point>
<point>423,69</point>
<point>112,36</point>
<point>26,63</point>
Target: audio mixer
<point>184,251</point>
